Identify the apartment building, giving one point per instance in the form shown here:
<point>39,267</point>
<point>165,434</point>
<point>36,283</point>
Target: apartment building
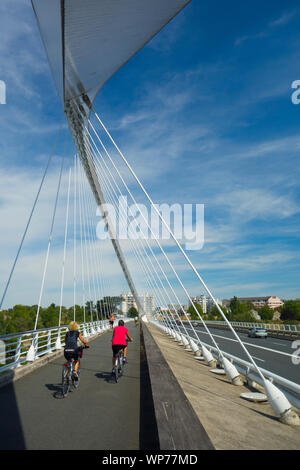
<point>273,301</point>
<point>206,302</point>
<point>146,300</point>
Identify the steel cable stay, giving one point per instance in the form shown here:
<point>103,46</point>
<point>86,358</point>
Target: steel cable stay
<point>174,237</point>
<point>81,256</point>
<point>74,236</point>
<point>139,255</point>
<point>208,355</point>
<point>86,248</point>
<point>156,289</point>
<point>102,172</point>
<point>104,184</point>
<point>32,350</point>
<point>58,341</point>
<point>277,399</point>
<point>152,234</point>
<point>31,213</point>
<point>95,256</point>
<point>99,267</point>
<point>149,246</point>
<point>107,306</point>
<point>86,251</point>
<point>89,259</point>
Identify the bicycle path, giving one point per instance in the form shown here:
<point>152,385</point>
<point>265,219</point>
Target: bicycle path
<point>100,415</point>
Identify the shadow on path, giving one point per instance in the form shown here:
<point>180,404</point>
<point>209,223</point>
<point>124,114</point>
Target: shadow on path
<point>11,430</point>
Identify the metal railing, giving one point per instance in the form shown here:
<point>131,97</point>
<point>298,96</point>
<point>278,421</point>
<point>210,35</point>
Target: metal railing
<point>289,388</point>
<point>14,347</point>
<point>267,326</point>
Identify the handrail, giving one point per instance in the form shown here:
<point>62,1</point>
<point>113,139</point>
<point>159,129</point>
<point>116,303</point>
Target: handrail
<point>16,345</point>
<point>267,326</point>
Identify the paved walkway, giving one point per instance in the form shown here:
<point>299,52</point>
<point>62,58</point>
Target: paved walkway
<point>99,415</point>
<point>230,421</point>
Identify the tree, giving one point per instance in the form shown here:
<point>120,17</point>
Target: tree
<point>265,313</point>
<point>234,305</point>
<point>240,311</point>
<point>215,313</point>
<point>290,310</point>
<point>132,312</point>
<point>193,314</point>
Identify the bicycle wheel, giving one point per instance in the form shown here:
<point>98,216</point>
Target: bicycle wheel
<point>116,370</point>
<point>65,381</point>
<point>121,364</point>
<point>76,382</point>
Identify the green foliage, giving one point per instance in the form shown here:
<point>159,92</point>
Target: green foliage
<point>234,305</point>
<point>290,310</point>
<point>265,313</point>
<point>132,312</point>
<point>291,322</point>
<point>193,314</point>
<point>240,311</point>
<point>22,317</point>
<point>214,312</point>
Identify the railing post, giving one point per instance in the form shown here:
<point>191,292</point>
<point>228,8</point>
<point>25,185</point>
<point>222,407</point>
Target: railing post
<point>49,349</point>
<point>32,351</point>
<point>18,352</point>
<point>58,341</point>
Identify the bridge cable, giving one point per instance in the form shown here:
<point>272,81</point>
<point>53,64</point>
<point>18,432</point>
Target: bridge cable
<point>31,213</point>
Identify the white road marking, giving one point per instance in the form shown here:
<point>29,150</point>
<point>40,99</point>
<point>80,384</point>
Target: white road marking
<point>248,344</point>
<point>258,359</point>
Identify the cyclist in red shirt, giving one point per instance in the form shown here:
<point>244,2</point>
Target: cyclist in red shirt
<point>119,341</point>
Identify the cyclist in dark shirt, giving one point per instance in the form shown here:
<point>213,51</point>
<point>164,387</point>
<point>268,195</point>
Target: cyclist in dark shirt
<point>72,351</point>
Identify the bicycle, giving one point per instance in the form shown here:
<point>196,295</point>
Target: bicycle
<point>119,366</point>
<point>68,373</point>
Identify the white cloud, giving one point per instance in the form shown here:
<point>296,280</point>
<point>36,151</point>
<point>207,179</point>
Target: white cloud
<point>283,19</point>
<point>256,203</point>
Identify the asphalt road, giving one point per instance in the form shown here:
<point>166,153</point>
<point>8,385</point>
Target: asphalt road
<point>99,415</point>
<point>271,354</point>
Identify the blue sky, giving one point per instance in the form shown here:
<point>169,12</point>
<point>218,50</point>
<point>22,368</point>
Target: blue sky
<point>203,112</point>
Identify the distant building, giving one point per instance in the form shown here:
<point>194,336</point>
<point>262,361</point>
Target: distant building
<point>258,302</point>
<point>146,300</point>
<point>206,302</point>
<point>177,308</point>
<point>225,303</point>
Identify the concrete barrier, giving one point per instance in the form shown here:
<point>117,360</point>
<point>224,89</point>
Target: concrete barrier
<point>178,426</point>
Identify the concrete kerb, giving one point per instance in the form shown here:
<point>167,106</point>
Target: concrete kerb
<point>15,374</point>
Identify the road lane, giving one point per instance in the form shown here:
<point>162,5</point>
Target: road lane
<point>275,356</point>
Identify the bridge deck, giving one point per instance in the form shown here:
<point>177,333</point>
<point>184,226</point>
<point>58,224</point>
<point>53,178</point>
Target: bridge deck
<point>99,415</point>
<point>230,422</point>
